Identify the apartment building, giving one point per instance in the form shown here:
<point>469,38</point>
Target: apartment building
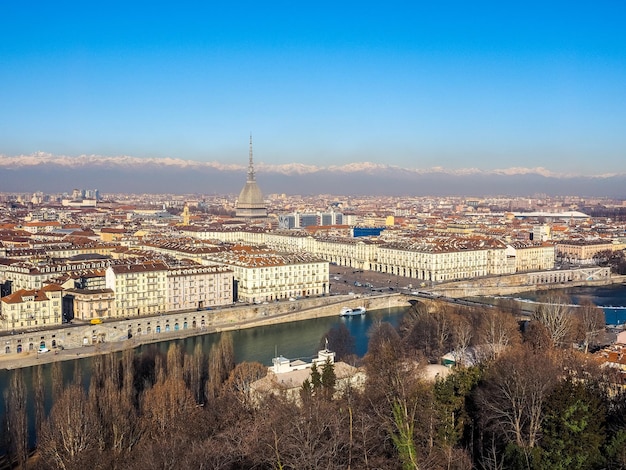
<point>139,288</point>
<point>582,251</point>
<point>199,287</point>
<point>441,259</point>
<point>358,253</point>
<point>33,276</point>
<point>263,275</point>
<point>530,256</point>
<point>26,308</point>
<point>87,304</point>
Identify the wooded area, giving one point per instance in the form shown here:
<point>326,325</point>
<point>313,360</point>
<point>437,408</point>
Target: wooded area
<point>531,401</point>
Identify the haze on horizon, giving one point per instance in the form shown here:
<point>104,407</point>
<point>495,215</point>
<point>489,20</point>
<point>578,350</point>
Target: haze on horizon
<point>466,85</point>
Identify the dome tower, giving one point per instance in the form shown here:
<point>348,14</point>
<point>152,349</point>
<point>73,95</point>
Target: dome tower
<point>250,203</point>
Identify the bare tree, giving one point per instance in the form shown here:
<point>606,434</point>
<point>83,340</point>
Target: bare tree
<point>71,431</point>
<point>195,373</point>
<point>340,341</point>
<point>462,332</point>
<point>512,396</point>
<point>57,380</point>
<point>17,427</point>
<point>39,398</point>
<point>592,321</point>
<point>241,378</point>
<point>555,314</point>
<point>221,363</point>
<point>430,332</point>
<point>167,408</point>
<point>497,331</point>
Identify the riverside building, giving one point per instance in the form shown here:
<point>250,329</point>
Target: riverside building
<point>263,275</point>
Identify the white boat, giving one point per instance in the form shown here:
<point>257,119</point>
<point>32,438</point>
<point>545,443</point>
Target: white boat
<point>351,312</point>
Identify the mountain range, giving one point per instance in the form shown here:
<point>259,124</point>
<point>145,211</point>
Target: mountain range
<point>111,174</point>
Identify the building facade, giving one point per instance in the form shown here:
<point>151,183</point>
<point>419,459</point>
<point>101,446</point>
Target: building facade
<point>139,288</point>
<point>31,308</point>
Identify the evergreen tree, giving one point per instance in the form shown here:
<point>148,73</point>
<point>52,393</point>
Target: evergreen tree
<point>316,378</point>
<point>328,379</point>
<point>573,431</point>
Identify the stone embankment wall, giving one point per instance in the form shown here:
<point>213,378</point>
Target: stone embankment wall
<point>132,332</point>
<point>513,284</point>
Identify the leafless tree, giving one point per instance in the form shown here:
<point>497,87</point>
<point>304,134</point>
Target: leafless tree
<point>555,314</point>
<point>57,380</point>
<point>17,426</point>
<point>195,373</point>
<point>592,321</point>
<point>39,398</point>
<point>462,333</point>
<point>120,426</point>
<point>430,331</point>
<point>515,388</point>
<point>221,363</point>
<point>71,431</point>
<point>497,331</point>
<point>241,378</point>
<point>166,406</point>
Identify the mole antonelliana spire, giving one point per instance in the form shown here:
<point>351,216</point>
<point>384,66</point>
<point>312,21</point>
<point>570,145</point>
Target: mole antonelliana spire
<point>250,203</point>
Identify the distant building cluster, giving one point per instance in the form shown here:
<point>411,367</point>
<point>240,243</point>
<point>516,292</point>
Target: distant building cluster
<point>82,256</point>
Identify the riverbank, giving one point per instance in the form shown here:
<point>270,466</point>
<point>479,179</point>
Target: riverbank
<point>112,336</point>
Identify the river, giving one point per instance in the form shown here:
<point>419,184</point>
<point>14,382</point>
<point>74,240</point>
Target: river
<point>295,340</point>
<point>611,298</point>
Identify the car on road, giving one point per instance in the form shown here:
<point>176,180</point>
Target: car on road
<point>43,350</point>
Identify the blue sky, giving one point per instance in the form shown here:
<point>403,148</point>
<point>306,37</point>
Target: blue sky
<point>454,84</point>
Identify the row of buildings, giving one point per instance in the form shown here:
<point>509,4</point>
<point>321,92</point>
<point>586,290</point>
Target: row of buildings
<point>205,267</point>
<point>138,256</point>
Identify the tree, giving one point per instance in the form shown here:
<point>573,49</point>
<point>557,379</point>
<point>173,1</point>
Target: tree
<point>221,363</point>
<point>316,379</point>
<point>592,321</point>
<point>497,331</point>
<point>71,432</point>
<point>536,336</point>
<point>195,372</point>
<point>451,395</point>
<point>512,396</point>
<point>462,332</point>
<point>39,398</point>
<point>340,341</point>
<point>328,379</point>
<point>384,362</point>
<point>554,313</point>
<point>16,422</point>
<point>430,332</point>
<point>573,430</point>
<point>241,379</point>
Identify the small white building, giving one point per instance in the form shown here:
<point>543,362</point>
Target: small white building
<point>286,377</point>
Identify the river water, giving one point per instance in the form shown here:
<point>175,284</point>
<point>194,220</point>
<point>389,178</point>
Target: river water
<point>611,298</point>
<point>295,340</point>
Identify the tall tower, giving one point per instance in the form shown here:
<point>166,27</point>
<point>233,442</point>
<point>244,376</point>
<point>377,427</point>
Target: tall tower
<point>250,203</point>
<point>186,215</point>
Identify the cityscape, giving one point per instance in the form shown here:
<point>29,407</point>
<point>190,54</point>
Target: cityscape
<point>250,236</point>
<point>87,273</point>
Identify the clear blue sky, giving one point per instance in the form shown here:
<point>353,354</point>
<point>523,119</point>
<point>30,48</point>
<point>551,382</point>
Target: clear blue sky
<point>457,84</point>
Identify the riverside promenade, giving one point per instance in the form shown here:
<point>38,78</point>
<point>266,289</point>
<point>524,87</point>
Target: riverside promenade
<point>83,340</point>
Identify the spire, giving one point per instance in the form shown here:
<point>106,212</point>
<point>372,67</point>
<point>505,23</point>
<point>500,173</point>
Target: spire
<point>250,165</point>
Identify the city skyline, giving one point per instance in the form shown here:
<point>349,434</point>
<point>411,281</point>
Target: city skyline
<point>479,89</point>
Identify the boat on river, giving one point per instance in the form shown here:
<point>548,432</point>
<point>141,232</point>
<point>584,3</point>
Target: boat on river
<point>352,312</point>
